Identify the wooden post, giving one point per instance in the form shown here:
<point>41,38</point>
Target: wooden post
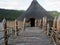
<point>58,25</point>
<point>16,27</point>
<point>58,31</point>
<point>5,32</point>
<point>48,29</point>
<point>40,22</point>
<point>54,24</point>
<point>12,31</point>
<point>35,23</point>
<point>45,24</point>
<point>24,23</point>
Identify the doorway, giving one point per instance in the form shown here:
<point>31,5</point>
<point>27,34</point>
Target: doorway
<point>32,22</point>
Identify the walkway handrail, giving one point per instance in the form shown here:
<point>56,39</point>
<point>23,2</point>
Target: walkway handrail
<point>7,31</point>
<point>54,36</point>
<point>8,35</point>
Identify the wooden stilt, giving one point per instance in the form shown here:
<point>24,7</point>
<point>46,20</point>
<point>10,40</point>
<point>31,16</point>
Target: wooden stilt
<point>48,29</point>
<point>40,23</point>
<point>54,24</point>
<point>35,23</point>
<point>5,32</point>
<point>16,27</point>
<point>58,25</point>
<point>24,24</point>
<point>45,24</point>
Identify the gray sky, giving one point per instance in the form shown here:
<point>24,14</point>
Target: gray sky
<point>24,4</point>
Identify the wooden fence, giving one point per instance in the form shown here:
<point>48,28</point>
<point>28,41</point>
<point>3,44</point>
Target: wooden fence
<point>13,28</point>
<point>54,34</point>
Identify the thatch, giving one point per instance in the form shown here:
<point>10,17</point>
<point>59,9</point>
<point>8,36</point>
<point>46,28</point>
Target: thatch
<point>35,11</point>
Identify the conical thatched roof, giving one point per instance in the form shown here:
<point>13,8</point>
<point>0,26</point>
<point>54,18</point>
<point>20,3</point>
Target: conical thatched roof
<point>35,11</point>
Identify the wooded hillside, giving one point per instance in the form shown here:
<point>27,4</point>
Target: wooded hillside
<point>14,14</point>
<point>10,14</point>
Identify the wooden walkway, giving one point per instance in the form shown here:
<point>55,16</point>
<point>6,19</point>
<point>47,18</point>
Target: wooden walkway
<point>32,36</point>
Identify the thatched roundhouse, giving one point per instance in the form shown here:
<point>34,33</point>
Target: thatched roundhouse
<point>35,12</point>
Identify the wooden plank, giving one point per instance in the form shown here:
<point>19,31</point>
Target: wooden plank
<point>32,36</point>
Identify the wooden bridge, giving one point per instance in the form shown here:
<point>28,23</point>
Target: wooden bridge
<point>30,35</point>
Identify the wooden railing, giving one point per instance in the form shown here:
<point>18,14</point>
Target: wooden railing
<point>54,33</point>
<point>55,37</point>
<point>8,32</point>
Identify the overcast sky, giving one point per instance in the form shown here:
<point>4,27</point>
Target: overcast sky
<point>24,4</point>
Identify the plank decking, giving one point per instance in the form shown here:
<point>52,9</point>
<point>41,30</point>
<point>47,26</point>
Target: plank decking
<point>32,36</point>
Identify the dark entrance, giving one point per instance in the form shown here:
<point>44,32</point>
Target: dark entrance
<point>32,22</point>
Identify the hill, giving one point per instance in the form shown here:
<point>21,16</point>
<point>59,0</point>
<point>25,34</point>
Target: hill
<point>54,13</point>
<point>10,14</point>
<point>14,14</point>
